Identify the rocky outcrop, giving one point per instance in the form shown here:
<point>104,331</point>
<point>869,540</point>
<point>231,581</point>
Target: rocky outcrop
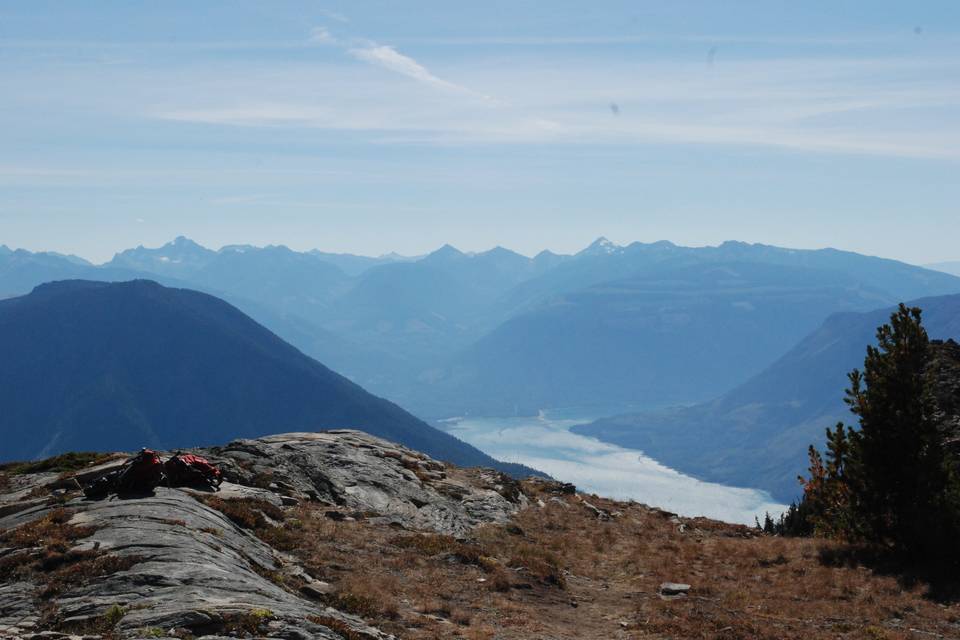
<point>179,563</point>
<point>355,472</point>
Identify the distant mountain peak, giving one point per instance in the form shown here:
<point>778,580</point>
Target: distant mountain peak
<point>237,248</point>
<point>178,255</point>
<point>501,251</point>
<point>183,242</point>
<point>446,252</point>
<point>601,246</point>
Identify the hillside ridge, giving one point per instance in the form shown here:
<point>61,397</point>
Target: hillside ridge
<point>94,365</point>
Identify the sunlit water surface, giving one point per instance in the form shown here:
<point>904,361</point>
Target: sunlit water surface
<point>545,443</point>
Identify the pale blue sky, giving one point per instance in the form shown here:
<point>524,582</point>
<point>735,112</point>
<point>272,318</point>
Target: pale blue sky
<point>378,126</point>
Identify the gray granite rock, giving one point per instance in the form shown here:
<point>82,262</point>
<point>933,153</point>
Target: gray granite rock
<point>353,471</point>
<point>195,569</point>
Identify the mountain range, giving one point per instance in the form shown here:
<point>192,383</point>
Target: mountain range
<point>499,333</point>
<point>101,366</point>
<point>952,267</point>
<point>757,434</point>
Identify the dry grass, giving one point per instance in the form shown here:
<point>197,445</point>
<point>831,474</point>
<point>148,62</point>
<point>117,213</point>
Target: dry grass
<point>561,572</point>
<point>53,532</point>
<point>339,627</point>
<point>252,513</point>
<point>247,623</point>
<point>58,464</point>
<point>45,555</point>
<point>246,513</point>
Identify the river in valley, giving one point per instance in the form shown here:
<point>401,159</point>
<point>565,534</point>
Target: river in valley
<point>545,442</point>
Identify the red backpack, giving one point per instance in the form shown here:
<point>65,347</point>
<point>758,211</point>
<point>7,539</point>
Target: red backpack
<point>186,469</point>
<point>141,473</point>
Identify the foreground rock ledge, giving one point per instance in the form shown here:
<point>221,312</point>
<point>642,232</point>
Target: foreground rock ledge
<point>195,569</point>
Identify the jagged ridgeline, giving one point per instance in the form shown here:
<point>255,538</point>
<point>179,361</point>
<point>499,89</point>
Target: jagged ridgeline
<point>496,333</point>
<point>117,366</point>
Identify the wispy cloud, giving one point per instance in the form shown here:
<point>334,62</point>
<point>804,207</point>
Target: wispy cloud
<point>831,105</point>
<point>322,35</point>
<point>392,60</point>
<point>370,92</point>
<point>387,57</point>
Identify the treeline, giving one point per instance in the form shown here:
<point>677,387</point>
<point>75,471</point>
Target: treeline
<point>891,483</point>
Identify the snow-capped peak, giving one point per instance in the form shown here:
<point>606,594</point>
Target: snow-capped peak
<point>602,246</point>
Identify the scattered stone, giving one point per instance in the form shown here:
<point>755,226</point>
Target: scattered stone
<point>673,590</point>
<point>317,590</point>
<point>601,514</point>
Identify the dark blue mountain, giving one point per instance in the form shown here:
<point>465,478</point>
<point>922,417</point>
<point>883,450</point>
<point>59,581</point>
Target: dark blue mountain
<point>107,366</point>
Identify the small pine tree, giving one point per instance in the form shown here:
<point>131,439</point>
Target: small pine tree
<point>889,482</point>
<point>768,524</point>
<point>828,494</point>
<point>898,475</point>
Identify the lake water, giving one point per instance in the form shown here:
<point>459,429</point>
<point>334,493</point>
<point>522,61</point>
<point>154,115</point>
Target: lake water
<point>545,443</point>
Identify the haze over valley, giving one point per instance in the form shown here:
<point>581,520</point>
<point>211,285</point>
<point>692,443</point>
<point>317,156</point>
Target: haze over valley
<point>663,348</point>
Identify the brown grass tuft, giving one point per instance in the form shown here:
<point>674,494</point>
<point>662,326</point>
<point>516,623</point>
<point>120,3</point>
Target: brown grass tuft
<point>75,461</point>
<point>246,513</point>
<point>338,626</point>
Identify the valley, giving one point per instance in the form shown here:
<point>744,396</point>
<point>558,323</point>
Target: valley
<point>546,443</point>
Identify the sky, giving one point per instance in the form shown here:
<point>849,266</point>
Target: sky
<point>371,127</point>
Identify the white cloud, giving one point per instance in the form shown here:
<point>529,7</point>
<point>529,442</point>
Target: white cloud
<point>392,60</point>
<point>322,35</point>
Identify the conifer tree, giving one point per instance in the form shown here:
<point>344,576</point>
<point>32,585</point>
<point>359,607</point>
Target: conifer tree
<point>889,482</point>
<point>897,471</point>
